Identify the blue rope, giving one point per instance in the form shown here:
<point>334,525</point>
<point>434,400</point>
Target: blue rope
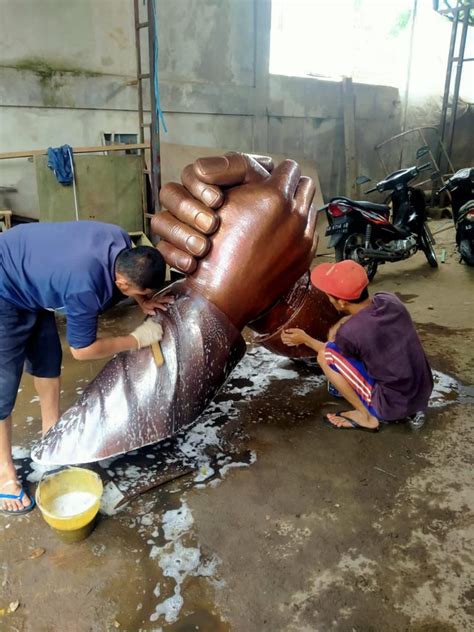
<point>159,112</point>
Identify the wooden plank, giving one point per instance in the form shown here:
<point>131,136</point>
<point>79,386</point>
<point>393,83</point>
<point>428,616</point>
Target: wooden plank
<point>349,136</point>
<point>77,150</point>
<point>108,190</point>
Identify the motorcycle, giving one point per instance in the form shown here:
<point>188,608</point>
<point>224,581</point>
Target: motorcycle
<point>461,190</point>
<point>362,230</point>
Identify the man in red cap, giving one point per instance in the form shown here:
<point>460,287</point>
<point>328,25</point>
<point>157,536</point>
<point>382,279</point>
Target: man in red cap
<point>374,357</point>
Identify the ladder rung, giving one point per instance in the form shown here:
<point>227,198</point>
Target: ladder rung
<point>145,124</point>
<point>144,76</point>
<point>146,171</point>
<point>149,215</point>
<point>142,25</point>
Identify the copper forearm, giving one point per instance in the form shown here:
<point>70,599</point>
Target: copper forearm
<point>303,307</point>
<point>133,402</point>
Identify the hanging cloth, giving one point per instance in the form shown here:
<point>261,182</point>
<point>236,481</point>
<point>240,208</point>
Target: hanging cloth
<point>60,162</point>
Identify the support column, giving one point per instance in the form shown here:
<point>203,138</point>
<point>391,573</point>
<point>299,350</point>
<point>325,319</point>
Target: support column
<point>263,24</point>
<point>349,136</point>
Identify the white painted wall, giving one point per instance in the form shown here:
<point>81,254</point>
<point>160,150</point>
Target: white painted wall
<point>214,81</point>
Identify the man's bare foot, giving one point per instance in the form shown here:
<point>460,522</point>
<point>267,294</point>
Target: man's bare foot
<point>9,485</point>
<point>361,419</point>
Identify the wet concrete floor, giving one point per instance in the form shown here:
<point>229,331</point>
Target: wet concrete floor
<point>283,524</point>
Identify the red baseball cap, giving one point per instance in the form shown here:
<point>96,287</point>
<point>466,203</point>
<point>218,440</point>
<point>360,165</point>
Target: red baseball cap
<point>345,279</point>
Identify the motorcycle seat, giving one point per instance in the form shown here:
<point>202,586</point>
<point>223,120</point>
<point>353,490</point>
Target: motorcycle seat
<point>367,206</point>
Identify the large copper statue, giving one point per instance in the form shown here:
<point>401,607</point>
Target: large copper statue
<point>245,236</point>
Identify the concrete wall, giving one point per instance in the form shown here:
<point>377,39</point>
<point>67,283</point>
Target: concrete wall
<point>67,73</point>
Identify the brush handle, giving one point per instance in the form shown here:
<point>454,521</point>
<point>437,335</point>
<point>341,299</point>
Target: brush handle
<point>156,350</point>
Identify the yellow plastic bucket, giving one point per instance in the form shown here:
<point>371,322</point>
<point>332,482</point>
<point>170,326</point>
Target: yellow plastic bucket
<point>69,501</point>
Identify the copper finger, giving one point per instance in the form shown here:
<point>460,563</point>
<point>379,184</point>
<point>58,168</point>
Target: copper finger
<point>210,195</point>
<point>188,209</point>
<point>176,258</point>
<point>180,235</point>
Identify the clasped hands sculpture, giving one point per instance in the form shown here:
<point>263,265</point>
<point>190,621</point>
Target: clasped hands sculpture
<point>244,233</point>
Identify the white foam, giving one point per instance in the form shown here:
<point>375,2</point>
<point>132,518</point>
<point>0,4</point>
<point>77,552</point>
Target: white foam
<point>178,561</point>
<point>204,472</point>
<point>38,471</point>
<point>169,608</point>
<point>176,522</point>
<point>147,519</point>
<point>19,452</point>
<point>72,503</point>
<point>110,498</point>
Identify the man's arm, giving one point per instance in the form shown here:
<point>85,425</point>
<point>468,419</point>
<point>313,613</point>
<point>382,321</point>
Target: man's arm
<point>84,344</point>
<point>294,337</point>
<point>105,347</point>
<point>82,320</point>
<point>144,335</point>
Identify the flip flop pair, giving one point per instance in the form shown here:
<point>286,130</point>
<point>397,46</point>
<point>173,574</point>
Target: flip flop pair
<point>19,497</point>
<point>353,424</point>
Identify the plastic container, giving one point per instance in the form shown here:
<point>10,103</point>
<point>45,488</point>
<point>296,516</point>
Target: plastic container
<point>69,501</point>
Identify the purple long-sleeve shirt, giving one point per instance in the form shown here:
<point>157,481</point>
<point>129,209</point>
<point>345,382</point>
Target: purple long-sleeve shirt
<point>383,337</point>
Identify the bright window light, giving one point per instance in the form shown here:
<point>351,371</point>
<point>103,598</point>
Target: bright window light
<point>368,40</point>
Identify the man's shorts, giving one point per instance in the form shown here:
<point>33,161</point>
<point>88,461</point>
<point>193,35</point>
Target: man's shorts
<point>354,372</point>
<point>28,340</point>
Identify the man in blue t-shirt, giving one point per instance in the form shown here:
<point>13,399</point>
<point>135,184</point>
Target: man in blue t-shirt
<point>84,268</point>
<point>374,357</point>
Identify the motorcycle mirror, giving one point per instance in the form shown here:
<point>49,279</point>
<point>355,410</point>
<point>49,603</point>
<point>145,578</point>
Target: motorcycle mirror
<point>436,175</point>
<point>362,179</point>
<point>422,151</point>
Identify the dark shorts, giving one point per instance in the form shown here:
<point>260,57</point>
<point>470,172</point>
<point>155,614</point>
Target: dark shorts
<point>354,372</point>
<point>30,341</point>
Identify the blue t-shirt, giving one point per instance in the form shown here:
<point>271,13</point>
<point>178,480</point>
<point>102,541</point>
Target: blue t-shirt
<point>64,264</point>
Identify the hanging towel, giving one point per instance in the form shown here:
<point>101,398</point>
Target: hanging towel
<point>60,161</point>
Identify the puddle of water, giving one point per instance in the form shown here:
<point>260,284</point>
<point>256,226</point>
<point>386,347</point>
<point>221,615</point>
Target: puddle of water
<point>447,390</point>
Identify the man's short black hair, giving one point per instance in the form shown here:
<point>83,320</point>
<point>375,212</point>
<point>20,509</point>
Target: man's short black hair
<point>363,297</point>
<point>143,266</point>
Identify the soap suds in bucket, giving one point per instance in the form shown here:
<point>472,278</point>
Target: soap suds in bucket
<point>72,504</point>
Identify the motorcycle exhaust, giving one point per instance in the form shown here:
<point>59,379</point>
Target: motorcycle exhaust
<point>383,255</point>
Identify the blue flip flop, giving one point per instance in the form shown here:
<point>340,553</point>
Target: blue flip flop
<point>353,424</point>
<point>19,497</point>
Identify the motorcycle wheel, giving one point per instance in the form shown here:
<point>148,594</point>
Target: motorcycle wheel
<point>427,242</point>
<point>466,251</point>
<point>348,249</point>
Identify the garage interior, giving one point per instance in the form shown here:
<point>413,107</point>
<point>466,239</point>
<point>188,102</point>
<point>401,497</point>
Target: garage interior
<point>257,517</point>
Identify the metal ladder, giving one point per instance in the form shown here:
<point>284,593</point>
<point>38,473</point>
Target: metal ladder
<point>148,131</point>
<point>462,13</point>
